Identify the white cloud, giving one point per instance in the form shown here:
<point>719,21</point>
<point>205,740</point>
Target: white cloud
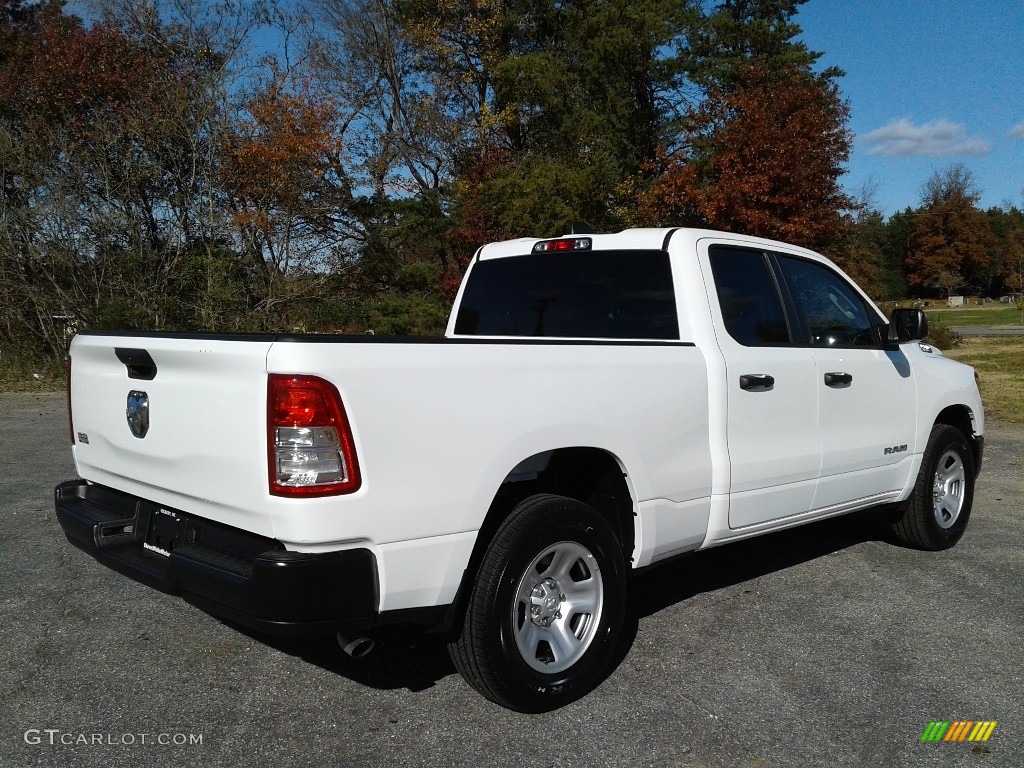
<point>940,138</point>
<point>1017,132</point>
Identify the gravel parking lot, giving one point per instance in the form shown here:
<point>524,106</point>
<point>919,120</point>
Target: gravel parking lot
<point>822,646</point>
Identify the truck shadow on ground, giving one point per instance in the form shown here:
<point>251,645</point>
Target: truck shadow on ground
<point>733,564</point>
<point>416,662</point>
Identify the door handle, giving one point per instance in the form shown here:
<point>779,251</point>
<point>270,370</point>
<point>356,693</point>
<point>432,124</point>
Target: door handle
<point>757,382</point>
<point>838,379</point>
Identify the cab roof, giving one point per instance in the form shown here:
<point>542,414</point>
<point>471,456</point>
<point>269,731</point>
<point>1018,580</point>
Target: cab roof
<point>654,238</point>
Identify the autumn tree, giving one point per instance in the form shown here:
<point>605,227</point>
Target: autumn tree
<point>460,44</point>
<point>75,181</point>
<point>110,137</point>
<point>951,244</point>
<point>764,158</point>
<point>289,194</point>
<point>501,117</point>
<point>185,127</point>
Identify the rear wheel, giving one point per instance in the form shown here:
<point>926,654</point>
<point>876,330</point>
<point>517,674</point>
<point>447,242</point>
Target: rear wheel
<point>545,612</point>
<point>936,514</point>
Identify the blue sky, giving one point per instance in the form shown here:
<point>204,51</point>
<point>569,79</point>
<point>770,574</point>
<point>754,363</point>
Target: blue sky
<point>930,83</point>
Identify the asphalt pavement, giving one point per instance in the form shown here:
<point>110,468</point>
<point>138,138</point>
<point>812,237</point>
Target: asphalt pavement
<point>826,645</point>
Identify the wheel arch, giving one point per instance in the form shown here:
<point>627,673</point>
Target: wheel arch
<point>591,475</point>
<point>962,418</point>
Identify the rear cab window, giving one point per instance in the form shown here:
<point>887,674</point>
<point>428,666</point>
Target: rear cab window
<point>620,294</point>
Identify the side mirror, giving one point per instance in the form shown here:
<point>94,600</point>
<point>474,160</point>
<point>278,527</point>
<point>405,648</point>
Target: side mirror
<point>907,325</point>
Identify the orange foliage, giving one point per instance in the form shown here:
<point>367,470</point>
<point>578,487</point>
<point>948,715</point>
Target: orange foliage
<point>763,159</point>
<point>947,246</point>
<point>286,153</point>
<point>951,243</point>
<point>476,220</point>
<point>53,70</point>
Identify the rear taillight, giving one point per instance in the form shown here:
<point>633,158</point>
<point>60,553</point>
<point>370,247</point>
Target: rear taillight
<point>309,441</point>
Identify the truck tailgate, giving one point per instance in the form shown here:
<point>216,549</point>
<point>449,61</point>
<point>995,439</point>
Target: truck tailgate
<point>205,447</point>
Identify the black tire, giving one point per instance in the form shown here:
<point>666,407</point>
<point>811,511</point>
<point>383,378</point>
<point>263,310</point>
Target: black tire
<point>530,641</point>
<point>936,514</point>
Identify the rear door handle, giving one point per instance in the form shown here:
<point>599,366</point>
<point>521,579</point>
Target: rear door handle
<point>757,382</point>
<point>838,379</point>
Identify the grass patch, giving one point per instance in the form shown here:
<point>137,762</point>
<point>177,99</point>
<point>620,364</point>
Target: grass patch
<point>999,362</point>
<point>990,314</point>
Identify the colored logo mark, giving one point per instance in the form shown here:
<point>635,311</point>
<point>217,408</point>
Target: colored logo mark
<point>958,730</point>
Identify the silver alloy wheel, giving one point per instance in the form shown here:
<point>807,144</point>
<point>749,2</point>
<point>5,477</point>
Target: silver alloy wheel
<point>557,607</point>
<point>949,487</point>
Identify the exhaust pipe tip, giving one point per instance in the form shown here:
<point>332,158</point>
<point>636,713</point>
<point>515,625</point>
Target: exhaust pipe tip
<point>356,647</point>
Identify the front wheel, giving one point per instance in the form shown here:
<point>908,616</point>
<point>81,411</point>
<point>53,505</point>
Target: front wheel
<point>544,615</point>
<point>936,514</point>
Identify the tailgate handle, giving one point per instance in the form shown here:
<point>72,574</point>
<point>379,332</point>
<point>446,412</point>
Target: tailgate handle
<point>138,362</point>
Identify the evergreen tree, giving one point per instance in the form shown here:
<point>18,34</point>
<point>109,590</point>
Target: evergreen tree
<point>738,32</point>
<point>573,97</point>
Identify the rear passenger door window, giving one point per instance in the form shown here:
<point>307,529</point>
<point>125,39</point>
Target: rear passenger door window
<point>749,298</point>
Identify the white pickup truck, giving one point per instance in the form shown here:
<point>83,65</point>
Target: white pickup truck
<point>599,403</point>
